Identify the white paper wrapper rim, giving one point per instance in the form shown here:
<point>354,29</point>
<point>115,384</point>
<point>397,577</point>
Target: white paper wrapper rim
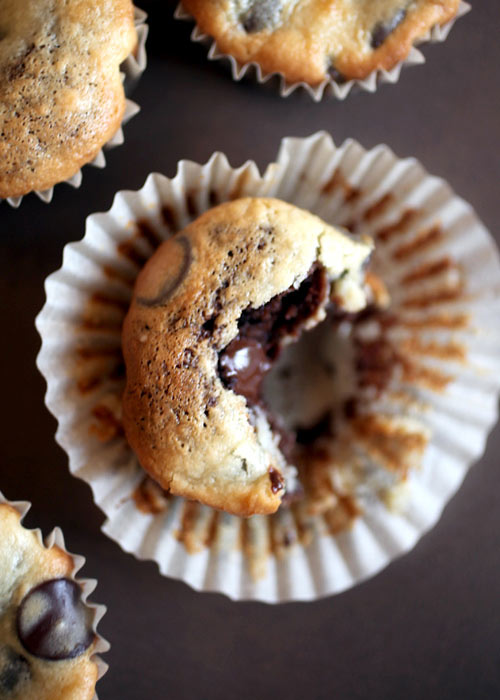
<point>329,565</point>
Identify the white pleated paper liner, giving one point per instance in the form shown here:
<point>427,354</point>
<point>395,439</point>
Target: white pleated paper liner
<point>329,86</point>
<point>56,539</point>
<point>442,271</point>
<point>132,68</point>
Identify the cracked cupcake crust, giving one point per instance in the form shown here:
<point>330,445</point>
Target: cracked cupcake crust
<point>190,430</point>
<point>61,94</point>
<point>46,635</point>
<point>311,40</point>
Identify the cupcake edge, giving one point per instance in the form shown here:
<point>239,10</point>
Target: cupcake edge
<point>55,538</point>
<point>132,68</point>
<point>328,86</point>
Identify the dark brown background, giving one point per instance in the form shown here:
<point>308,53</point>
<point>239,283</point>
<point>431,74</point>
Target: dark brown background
<point>426,627</point>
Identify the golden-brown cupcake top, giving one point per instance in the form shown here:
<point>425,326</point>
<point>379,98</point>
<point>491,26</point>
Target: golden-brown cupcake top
<point>193,433</point>
<point>61,94</point>
<point>310,40</point>
<point>46,636</point>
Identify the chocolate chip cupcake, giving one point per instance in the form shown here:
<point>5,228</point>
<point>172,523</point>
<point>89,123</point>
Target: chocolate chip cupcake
<point>61,93</point>
<point>378,403</point>
<point>313,41</point>
<point>47,630</point>
<point>211,313</point>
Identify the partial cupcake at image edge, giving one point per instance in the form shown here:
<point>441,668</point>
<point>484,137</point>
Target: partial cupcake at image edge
<point>322,47</point>
<point>63,92</point>
<point>377,396</point>
<point>49,644</point>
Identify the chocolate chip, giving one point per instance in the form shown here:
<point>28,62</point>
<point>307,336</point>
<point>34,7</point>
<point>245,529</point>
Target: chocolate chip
<point>53,622</point>
<point>262,14</point>
<point>277,482</point>
<point>14,670</point>
<point>336,75</point>
<point>242,367</point>
<point>382,30</point>
<point>171,285</point>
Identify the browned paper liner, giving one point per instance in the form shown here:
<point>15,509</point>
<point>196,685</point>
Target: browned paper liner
<point>328,86</point>
<point>132,68</point>
<point>408,446</point>
<point>56,538</point>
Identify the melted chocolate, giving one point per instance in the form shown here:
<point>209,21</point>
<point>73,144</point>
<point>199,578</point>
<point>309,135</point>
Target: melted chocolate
<point>382,30</point>
<point>14,670</point>
<point>242,367</point>
<point>53,622</point>
<point>245,361</point>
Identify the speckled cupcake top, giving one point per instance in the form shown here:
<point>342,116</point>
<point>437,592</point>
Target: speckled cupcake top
<point>46,634</point>
<point>211,310</point>
<point>61,94</point>
<point>311,40</point>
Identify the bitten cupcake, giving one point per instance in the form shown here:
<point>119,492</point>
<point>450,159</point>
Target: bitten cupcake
<point>313,42</point>
<point>387,406</point>
<point>48,640</point>
<point>212,311</point>
<point>61,93</point>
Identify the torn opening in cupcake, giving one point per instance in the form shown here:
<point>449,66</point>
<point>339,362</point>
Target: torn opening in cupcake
<point>246,364</point>
<point>303,364</point>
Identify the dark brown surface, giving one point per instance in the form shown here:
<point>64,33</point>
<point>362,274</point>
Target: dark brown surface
<point>429,625</point>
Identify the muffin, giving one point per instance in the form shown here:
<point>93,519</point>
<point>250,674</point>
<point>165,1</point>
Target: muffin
<point>61,93</point>
<point>392,402</point>
<point>211,313</point>
<point>314,41</point>
<point>47,632</point>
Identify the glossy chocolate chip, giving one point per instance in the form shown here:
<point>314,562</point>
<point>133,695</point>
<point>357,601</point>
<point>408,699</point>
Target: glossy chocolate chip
<point>277,481</point>
<point>14,671</point>
<point>262,14</point>
<point>382,30</point>
<point>53,622</point>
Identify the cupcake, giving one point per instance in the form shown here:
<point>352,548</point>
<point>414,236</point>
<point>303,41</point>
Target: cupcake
<point>373,395</point>
<point>61,91</point>
<point>316,44</point>
<point>48,640</point>
<point>212,311</point>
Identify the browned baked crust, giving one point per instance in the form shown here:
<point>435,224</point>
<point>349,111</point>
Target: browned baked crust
<point>308,40</point>
<point>61,95</point>
<point>196,437</point>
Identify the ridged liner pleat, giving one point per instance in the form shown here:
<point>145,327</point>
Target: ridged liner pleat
<point>328,86</point>
<point>302,174</point>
